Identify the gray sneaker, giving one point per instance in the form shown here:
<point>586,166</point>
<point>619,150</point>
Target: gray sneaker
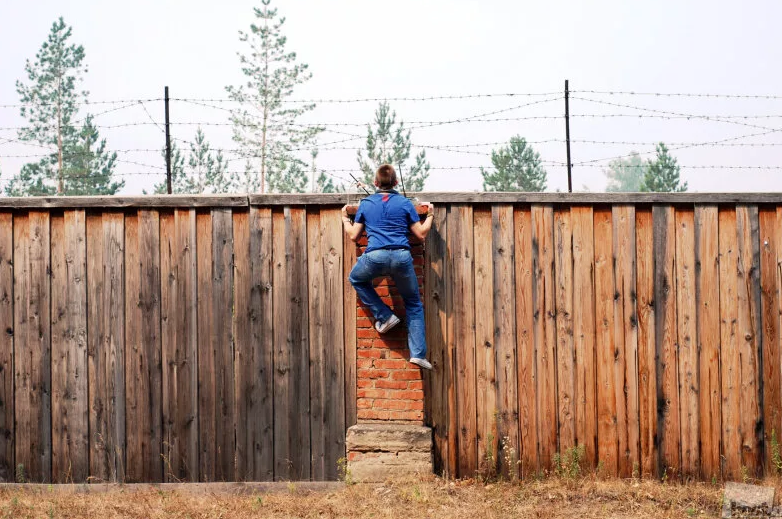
<point>421,362</point>
<point>387,325</point>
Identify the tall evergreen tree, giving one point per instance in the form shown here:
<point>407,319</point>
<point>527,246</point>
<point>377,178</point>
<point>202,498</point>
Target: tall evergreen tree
<point>50,100</point>
<point>626,174</point>
<point>517,167</point>
<point>320,183</point>
<point>662,174</point>
<point>264,125</point>
<point>388,143</point>
<point>205,172</point>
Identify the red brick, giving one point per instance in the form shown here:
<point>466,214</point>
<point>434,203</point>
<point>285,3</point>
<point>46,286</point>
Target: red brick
<point>394,354</point>
<point>364,333</point>
<point>369,354</point>
<point>386,343</point>
<point>372,393</point>
<point>392,384</point>
<point>364,363</point>
<point>418,260</point>
<point>371,373</point>
<point>396,405</point>
<point>363,311</point>
<point>390,363</point>
<point>415,384</point>
<point>404,415</point>
<point>382,291</point>
<point>364,343</point>
<point>364,383</point>
<point>374,414</point>
<point>406,395</point>
<point>408,374</point>
<point>364,322</point>
<point>412,405</point>
<point>364,403</point>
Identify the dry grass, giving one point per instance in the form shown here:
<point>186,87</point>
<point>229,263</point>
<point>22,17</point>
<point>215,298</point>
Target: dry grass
<point>431,497</point>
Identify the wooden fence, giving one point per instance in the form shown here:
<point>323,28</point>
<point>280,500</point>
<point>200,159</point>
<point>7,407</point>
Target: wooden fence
<point>213,338</point>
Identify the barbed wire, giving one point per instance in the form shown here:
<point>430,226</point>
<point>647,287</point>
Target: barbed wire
<point>379,99</point>
<point>86,103</point>
<point>677,94</point>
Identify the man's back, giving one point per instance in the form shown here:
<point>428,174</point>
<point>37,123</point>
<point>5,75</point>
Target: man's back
<point>387,216</point>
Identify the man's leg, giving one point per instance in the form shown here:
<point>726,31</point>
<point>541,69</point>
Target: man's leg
<point>403,272</point>
<point>361,276</point>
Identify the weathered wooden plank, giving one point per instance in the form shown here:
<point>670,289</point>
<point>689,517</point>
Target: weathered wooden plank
<point>435,289</point>
<point>207,376</point>
<point>544,317</point>
<point>222,329</point>
<point>687,341</point>
<point>668,422</point>
<point>647,364</point>
<point>505,336</point>
<point>142,347</point>
<point>566,353</point>
<point>333,423</point>
<point>32,355</point>
<point>485,353</point>
<point>729,347</point>
<point>317,300</point>
<point>121,202</point>
<point>179,336</point>
<point>525,342</point>
<point>606,347</point>
<point>452,249</point>
<point>70,437</point>
<point>245,390</point>
<point>349,257</point>
<point>749,338</point>
<point>770,221</point>
<point>626,326</point>
<point>464,337</point>
<point>6,347</point>
<point>582,223</point>
<point>707,298</point>
<point>291,359</point>
<point>105,344</point>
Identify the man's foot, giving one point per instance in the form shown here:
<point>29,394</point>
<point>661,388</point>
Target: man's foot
<point>421,362</point>
<point>387,325</point>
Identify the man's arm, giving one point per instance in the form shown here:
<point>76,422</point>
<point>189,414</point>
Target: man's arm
<point>353,230</point>
<point>420,230</point>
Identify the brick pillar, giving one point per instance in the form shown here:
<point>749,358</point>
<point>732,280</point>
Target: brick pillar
<point>390,389</point>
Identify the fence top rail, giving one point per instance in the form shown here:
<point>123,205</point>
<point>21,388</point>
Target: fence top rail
<point>173,201</point>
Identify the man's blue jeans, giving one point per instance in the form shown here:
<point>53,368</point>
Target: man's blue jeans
<point>397,263</point>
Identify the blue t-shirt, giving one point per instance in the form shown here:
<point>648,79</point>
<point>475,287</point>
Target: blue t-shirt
<point>387,216</point>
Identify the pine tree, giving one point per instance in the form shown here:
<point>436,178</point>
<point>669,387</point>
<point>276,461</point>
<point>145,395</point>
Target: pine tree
<point>205,172</point>
<point>50,102</point>
<point>264,125</point>
<point>662,174</point>
<point>320,183</point>
<point>388,143</point>
<point>517,167</point>
<point>626,174</point>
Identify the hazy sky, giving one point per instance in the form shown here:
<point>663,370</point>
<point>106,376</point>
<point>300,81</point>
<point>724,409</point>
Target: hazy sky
<point>369,49</point>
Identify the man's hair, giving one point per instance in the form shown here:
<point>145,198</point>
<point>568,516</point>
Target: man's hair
<point>385,178</point>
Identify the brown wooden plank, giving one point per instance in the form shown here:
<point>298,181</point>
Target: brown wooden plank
<point>291,359</point>
<point>435,289</point>
<point>32,355</point>
<point>665,335</point>
<point>105,345</point>
<point>179,344</point>
<point>142,347</point>
<point>770,221</point>
<point>485,353</point>
<point>120,202</point>
<point>207,376</point>
<point>545,329</point>
<point>566,353</point>
<point>729,350</point>
<point>246,391</point>
<point>687,341</point>
<point>464,338</point>
<point>606,347</point>
<point>6,347</point>
<point>319,397</point>
<point>349,257</point>
<point>505,336</point>
<point>749,335</point>
<point>452,254</point>
<point>70,437</point>
<point>222,329</point>
<point>647,365</point>
<point>333,349</point>
<point>525,343</point>
<point>582,223</point>
<point>707,298</point>
<point>626,326</point>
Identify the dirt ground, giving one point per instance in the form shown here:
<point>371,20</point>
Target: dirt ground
<point>432,498</point>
